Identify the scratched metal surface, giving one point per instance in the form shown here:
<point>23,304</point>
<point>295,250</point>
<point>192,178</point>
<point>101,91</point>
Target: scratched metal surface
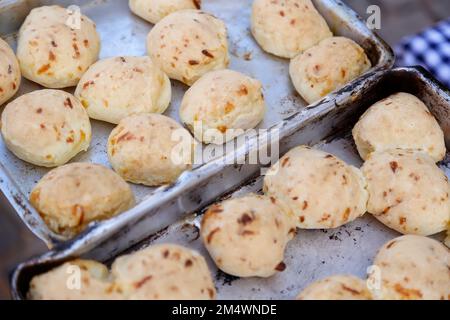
<point>312,254</point>
<point>122,33</point>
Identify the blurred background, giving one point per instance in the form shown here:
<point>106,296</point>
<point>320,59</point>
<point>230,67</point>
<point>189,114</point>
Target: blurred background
<point>404,17</point>
<point>398,19</point>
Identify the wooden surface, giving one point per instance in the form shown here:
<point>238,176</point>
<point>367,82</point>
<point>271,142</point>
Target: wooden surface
<point>398,18</point>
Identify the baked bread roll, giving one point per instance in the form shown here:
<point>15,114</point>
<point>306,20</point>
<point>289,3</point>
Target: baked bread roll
<point>150,149</point>
<point>115,88</point>
<point>9,72</point>
<point>327,66</point>
<point>339,287</point>
<point>400,121</point>
<point>70,197</point>
<point>286,28</point>
<point>163,272</point>
<point>407,191</point>
<point>221,105</point>
<point>318,189</point>
<point>55,48</point>
<point>46,127</point>
<point>413,267</point>
<point>154,10</point>
<point>73,280</point>
<point>187,44</point>
<point>247,236</point>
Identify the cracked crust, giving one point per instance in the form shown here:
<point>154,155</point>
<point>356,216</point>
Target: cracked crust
<point>187,44</point>
<point>150,149</point>
<point>115,88</point>
<point>220,101</point>
<point>46,127</point>
<point>400,121</point>
<point>413,267</point>
<point>53,54</point>
<point>68,198</point>
<point>286,28</point>
<point>326,67</point>
<point>407,191</point>
<point>247,236</point>
<point>307,183</point>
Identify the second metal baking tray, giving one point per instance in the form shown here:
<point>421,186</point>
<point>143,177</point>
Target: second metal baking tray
<point>122,33</point>
<point>312,254</point>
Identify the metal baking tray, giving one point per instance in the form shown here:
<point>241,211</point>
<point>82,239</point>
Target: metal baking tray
<point>122,33</point>
<point>312,254</point>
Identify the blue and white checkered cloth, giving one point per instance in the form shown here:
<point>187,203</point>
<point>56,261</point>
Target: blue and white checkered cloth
<point>430,49</point>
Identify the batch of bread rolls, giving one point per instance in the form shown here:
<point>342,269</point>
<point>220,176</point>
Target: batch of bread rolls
<point>49,127</point>
<point>399,183</point>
